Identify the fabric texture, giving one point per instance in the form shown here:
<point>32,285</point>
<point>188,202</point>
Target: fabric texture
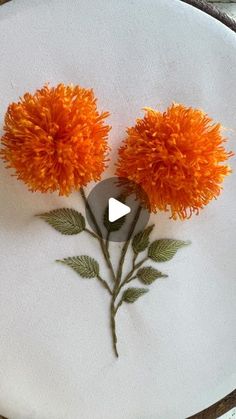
<point>177,349</point>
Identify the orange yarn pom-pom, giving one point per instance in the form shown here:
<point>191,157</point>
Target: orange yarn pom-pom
<point>176,157</point>
<point>56,139</point>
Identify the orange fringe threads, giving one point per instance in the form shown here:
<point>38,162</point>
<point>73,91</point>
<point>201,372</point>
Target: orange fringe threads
<point>55,139</point>
<point>176,157</point>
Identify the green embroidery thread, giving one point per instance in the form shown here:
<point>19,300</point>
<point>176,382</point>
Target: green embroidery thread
<point>69,222</point>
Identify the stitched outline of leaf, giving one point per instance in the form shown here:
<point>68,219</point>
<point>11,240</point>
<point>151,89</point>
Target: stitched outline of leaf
<point>84,265</point>
<point>141,240</point>
<point>132,294</point>
<point>164,250</point>
<point>112,226</point>
<point>148,275</point>
<point>65,220</point>
<point>115,225</point>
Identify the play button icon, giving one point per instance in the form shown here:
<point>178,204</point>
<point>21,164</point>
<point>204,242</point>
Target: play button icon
<point>117,210</point>
<point>114,203</point>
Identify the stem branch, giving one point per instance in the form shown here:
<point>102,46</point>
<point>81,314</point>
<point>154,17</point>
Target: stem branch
<point>91,233</point>
<point>116,278</point>
<point>113,326</point>
<point>107,241</point>
<point>99,235</point>
<point>126,244</point>
<point>134,260</point>
<point>104,284</point>
<point>129,277</point>
<point>118,305</point>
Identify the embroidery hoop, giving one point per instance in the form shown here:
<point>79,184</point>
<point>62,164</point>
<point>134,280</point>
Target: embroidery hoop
<point>228,401</point>
<point>213,11</point>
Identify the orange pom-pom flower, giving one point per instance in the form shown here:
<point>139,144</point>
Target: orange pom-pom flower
<point>176,157</point>
<point>56,139</point>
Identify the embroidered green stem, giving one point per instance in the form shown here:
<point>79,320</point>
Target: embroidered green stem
<point>128,277</point>
<point>104,284</point>
<point>99,236</point>
<point>134,260</point>
<point>116,278</point>
<point>91,233</point>
<point>118,285</point>
<point>126,245</point>
<point>118,305</point>
<point>107,241</point>
<point>113,325</point>
<point>116,291</point>
<point>131,279</point>
<point>114,309</point>
<point>105,251</point>
<point>68,221</point>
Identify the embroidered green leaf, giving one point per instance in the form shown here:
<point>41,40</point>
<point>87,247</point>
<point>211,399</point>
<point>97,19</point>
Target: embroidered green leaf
<point>115,225</point>
<point>165,249</point>
<point>148,275</point>
<point>85,266</point>
<point>141,240</point>
<point>132,294</point>
<point>65,220</point>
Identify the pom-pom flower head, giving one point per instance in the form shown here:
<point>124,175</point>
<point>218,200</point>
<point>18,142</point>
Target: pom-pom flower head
<point>176,157</point>
<point>56,139</point>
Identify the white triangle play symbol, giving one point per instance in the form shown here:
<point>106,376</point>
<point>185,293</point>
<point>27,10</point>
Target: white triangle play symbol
<point>116,209</point>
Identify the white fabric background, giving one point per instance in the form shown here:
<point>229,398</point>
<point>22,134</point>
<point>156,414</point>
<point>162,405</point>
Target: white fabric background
<point>177,344</point>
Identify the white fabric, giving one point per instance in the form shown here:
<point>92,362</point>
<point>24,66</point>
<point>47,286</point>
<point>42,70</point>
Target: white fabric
<point>177,344</point>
